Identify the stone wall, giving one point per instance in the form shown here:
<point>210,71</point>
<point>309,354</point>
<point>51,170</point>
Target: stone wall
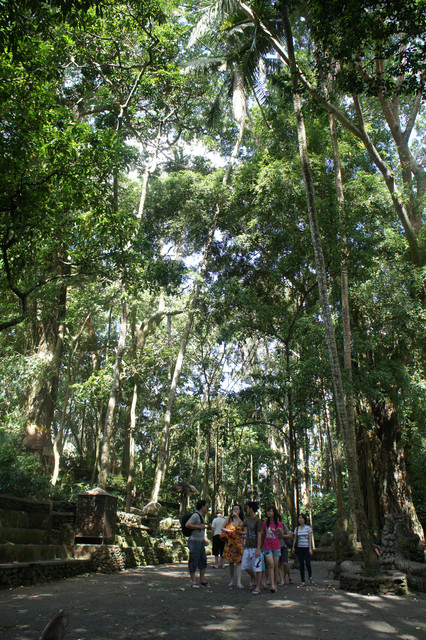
<point>136,546</point>
<point>26,574</point>
<point>37,543</point>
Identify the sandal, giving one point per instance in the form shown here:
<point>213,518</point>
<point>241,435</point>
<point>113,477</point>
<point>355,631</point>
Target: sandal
<point>230,585</point>
<point>194,585</point>
<point>204,584</point>
<point>240,586</point>
<point>302,584</point>
<point>311,580</point>
<point>256,592</point>
<point>273,590</point>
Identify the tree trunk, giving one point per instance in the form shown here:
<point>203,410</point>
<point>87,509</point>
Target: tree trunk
<point>106,462</point>
<point>59,437</point>
<point>147,327</point>
<point>365,464</point>
<point>277,454</point>
<point>337,486</point>
<point>131,448</point>
<point>165,433</point>
<point>216,471</point>
<point>306,476</point>
<point>43,391</point>
<point>339,394</point>
<point>205,489</point>
<point>344,274</point>
<point>101,413</point>
<point>390,479</point>
<point>58,443</point>
<point>347,334</point>
<point>294,487</point>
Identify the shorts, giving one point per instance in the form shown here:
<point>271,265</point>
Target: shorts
<point>274,552</point>
<point>284,555</point>
<point>197,555</point>
<point>250,562</point>
<point>218,546</point>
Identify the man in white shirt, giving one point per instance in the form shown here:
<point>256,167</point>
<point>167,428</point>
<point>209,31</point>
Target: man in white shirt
<point>218,544</point>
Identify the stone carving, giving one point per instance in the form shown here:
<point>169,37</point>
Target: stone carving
<point>326,539</point>
<point>399,542</point>
<point>401,549</point>
<point>152,509</point>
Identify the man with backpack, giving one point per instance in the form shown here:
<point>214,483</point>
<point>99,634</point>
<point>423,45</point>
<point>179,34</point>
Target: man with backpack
<point>197,544</point>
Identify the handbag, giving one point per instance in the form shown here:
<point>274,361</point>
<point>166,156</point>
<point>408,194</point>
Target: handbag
<point>288,541</point>
<point>296,539</point>
<point>225,534</point>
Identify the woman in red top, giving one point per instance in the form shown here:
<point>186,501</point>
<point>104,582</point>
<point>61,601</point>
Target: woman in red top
<point>234,546</point>
<point>272,531</point>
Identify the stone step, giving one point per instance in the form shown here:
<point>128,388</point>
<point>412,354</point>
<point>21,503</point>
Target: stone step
<point>24,536</point>
<point>12,518</point>
<point>36,536</point>
<point>10,553</point>
<point>11,503</point>
<point>28,573</point>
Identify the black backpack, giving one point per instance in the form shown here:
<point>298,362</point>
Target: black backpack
<point>187,532</point>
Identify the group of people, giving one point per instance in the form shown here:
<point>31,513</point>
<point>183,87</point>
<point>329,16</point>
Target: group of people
<point>248,544</point>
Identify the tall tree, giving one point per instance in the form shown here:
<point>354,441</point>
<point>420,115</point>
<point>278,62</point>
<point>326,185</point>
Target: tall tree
<point>164,442</point>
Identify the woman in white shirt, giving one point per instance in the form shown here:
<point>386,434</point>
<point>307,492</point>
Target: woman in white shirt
<point>303,544</point>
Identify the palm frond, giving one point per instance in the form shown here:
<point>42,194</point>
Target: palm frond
<point>215,113</point>
<point>211,18</point>
<point>203,65</point>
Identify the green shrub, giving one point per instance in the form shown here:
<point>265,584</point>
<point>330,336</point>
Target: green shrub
<point>21,471</point>
<point>324,513</point>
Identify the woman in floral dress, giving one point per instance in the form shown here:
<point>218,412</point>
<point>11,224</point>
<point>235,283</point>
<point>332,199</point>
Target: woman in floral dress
<point>234,546</point>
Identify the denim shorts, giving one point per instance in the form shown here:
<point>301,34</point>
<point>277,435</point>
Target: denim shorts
<point>197,555</point>
<point>274,552</point>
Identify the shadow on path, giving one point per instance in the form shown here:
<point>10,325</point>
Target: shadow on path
<point>158,602</point>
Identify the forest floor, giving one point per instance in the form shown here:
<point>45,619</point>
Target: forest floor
<point>158,602</point>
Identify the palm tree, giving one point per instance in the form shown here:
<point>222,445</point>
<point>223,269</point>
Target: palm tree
<point>408,201</point>
<point>218,11</point>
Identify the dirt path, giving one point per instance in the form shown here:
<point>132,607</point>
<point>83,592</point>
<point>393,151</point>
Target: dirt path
<point>157,602</point>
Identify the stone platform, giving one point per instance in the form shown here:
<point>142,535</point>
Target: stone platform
<point>390,583</point>
<point>31,573</point>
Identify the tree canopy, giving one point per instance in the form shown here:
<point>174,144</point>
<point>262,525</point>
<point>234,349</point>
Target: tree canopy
<point>209,215</point>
